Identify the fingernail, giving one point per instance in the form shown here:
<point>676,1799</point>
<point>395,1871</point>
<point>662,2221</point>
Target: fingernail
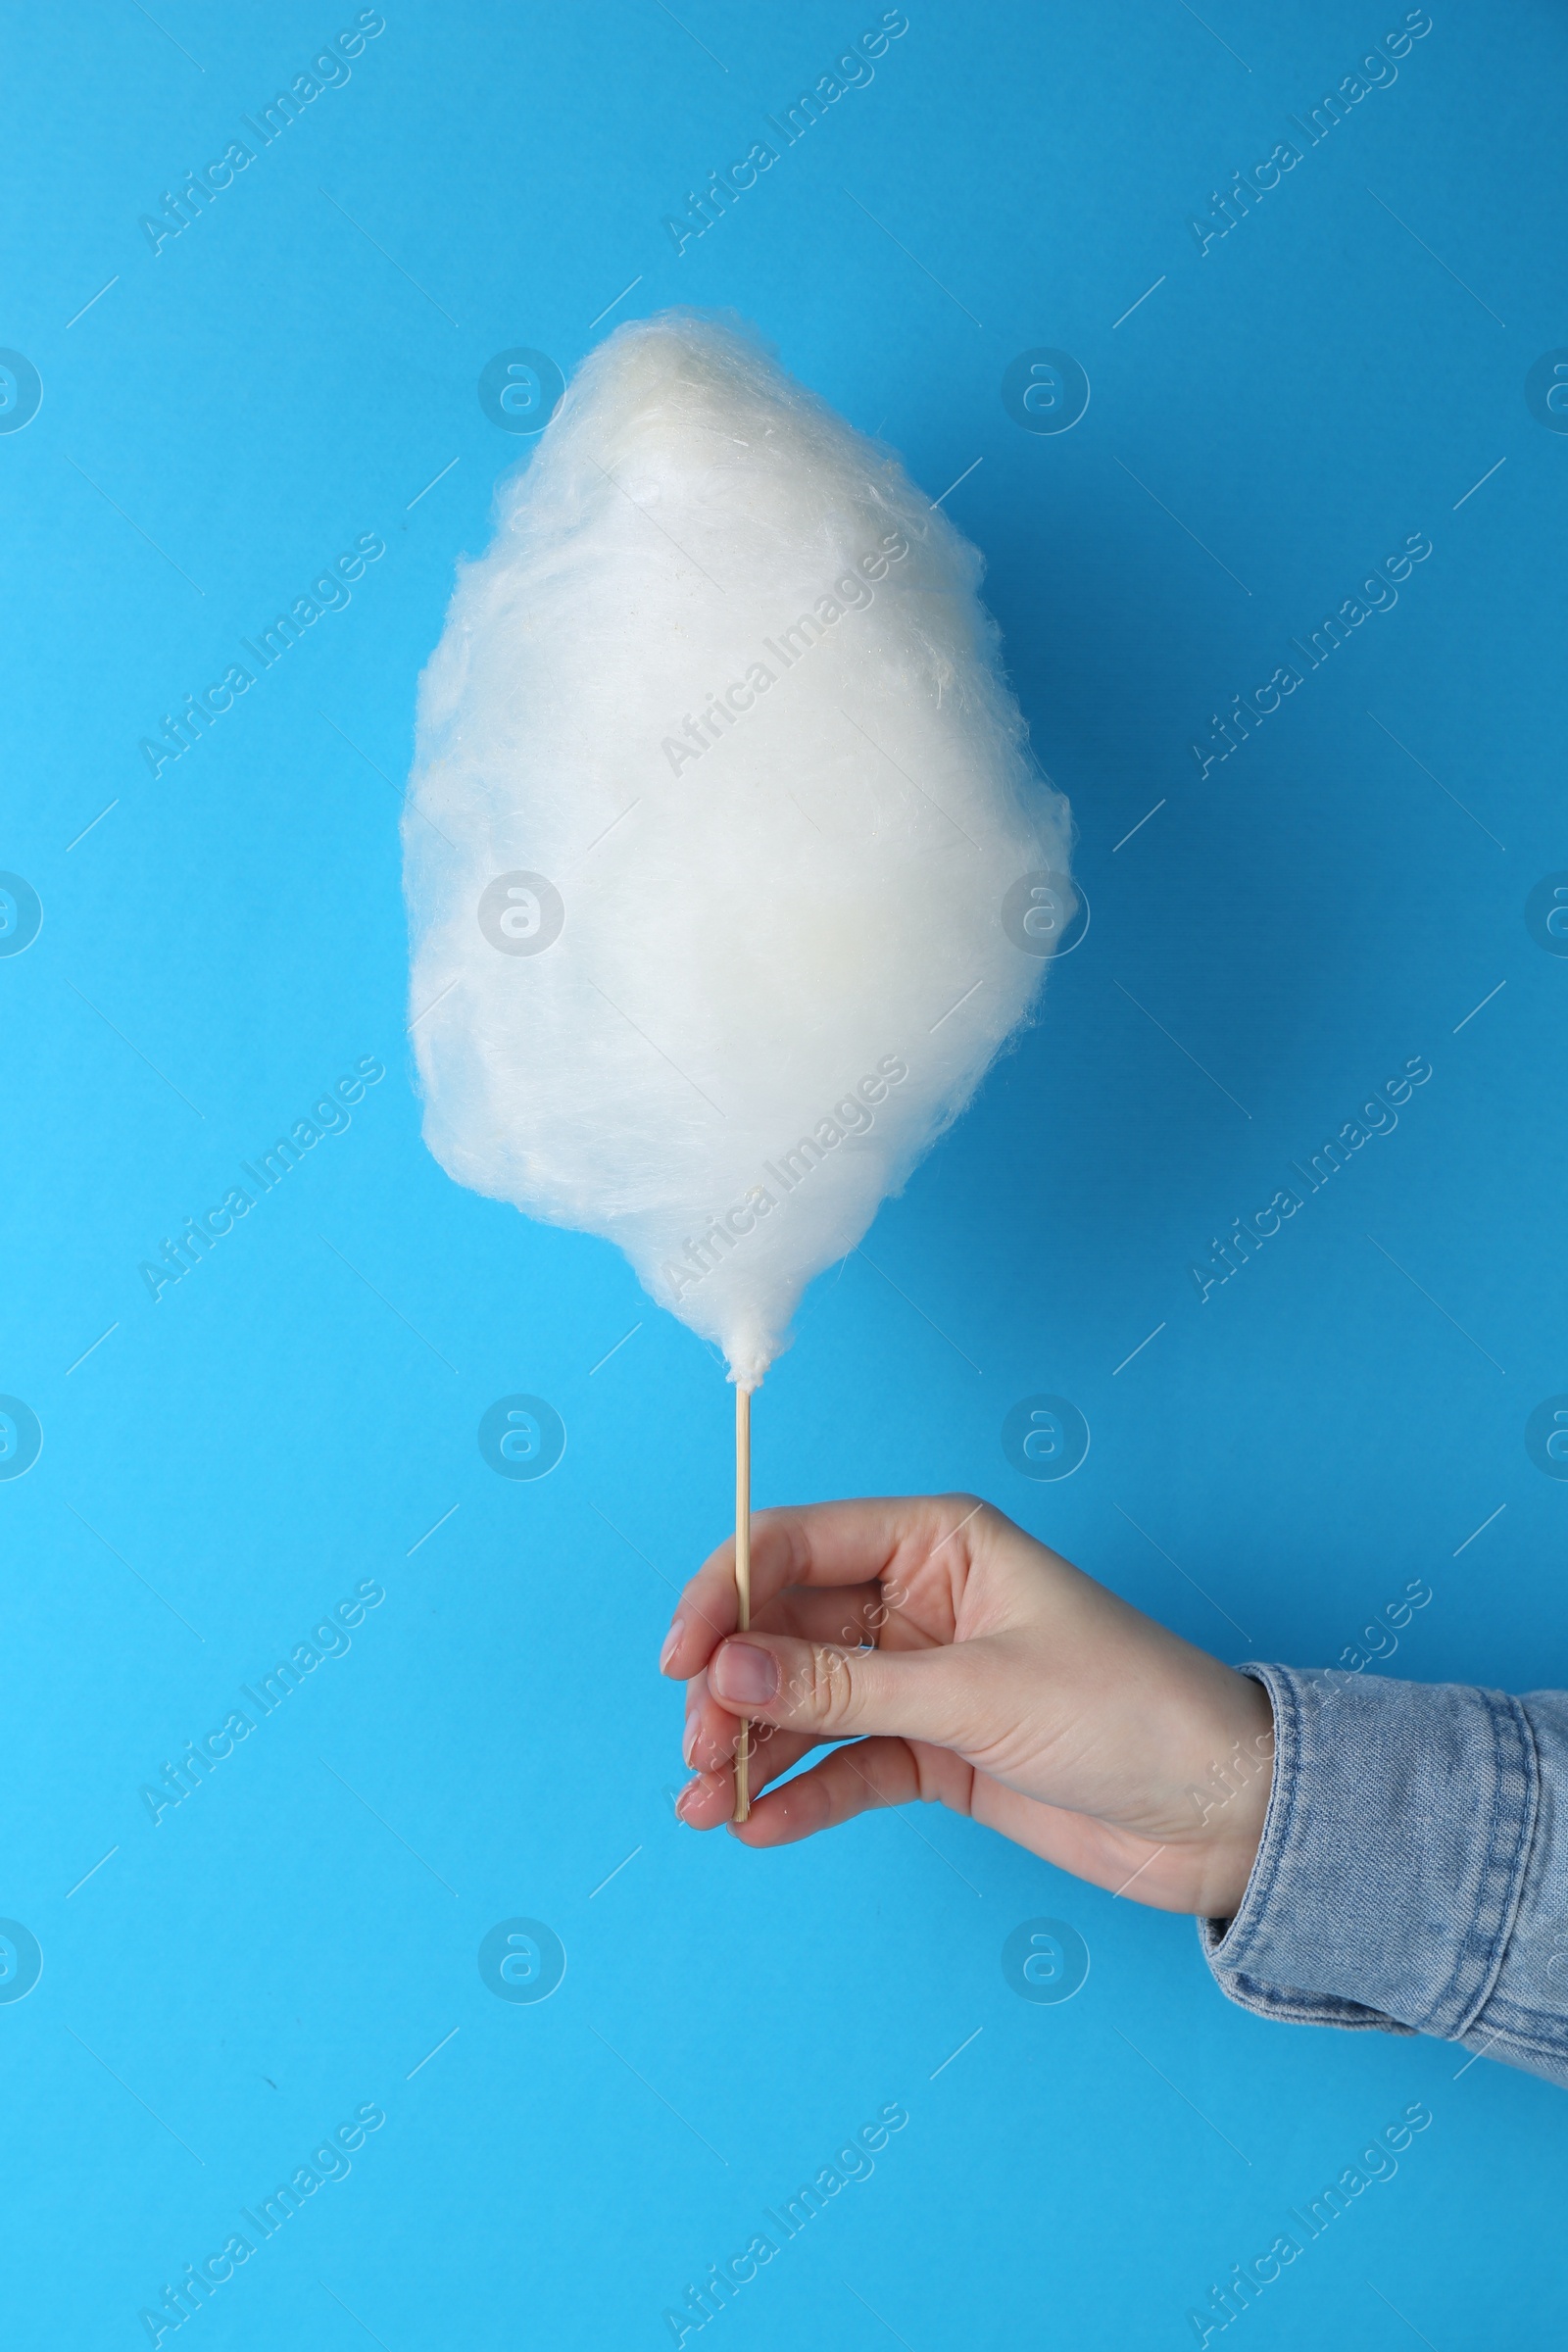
<point>671,1641</point>
<point>688,1741</point>
<point>742,1672</point>
<point>684,1797</point>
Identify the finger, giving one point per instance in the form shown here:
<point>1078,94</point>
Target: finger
<point>713,1737</point>
<point>708,1730</point>
<point>851,1614</point>
<point>851,1617</point>
<point>857,1778</point>
<point>695,1702</point>
<point>708,1800</point>
<point>818,1543</point>
<point>935,1695</point>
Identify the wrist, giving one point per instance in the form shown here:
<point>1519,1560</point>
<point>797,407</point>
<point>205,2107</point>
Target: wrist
<point>1235,1806</point>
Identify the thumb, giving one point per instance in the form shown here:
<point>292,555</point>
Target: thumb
<point>836,1694</point>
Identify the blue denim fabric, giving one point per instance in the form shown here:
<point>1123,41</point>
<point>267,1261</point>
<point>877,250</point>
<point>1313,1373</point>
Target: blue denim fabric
<point>1414,1870</point>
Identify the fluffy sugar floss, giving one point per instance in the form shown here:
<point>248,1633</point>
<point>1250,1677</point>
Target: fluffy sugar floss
<point>729,872</point>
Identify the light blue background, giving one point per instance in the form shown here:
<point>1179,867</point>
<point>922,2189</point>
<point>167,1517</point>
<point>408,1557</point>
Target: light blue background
<point>292,1418</point>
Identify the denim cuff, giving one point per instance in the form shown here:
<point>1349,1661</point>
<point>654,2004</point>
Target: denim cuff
<point>1393,1858</point>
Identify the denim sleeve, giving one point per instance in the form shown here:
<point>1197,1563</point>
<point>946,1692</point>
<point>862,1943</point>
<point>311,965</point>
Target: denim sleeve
<point>1413,1869</point>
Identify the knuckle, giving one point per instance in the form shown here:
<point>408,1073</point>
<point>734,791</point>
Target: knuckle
<point>837,1687</point>
<point>824,1688</point>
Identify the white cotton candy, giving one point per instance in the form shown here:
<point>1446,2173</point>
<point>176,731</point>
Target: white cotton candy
<point>718,801</point>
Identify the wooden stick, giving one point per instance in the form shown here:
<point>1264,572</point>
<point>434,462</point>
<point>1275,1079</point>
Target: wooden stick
<point>743,1578</point>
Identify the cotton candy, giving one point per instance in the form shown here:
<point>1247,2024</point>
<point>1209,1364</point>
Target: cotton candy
<point>728,870</point>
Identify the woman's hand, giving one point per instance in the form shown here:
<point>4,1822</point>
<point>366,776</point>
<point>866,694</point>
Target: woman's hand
<point>971,1667</point>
